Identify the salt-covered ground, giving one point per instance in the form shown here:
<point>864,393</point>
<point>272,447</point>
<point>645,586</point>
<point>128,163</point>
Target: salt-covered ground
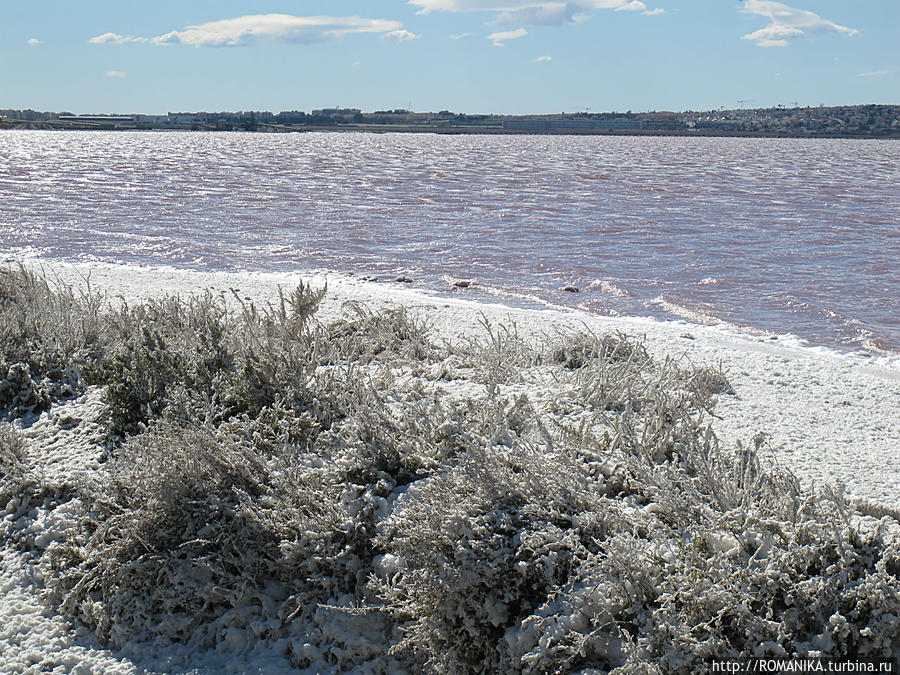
<point>829,418</point>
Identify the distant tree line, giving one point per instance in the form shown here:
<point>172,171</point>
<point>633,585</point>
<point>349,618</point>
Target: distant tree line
<point>860,120</point>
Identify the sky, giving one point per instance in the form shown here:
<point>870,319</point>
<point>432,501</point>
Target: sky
<point>473,56</point>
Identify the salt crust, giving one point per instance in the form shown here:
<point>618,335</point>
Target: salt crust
<point>829,418</point>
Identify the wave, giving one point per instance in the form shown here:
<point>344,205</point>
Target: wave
<point>609,288</point>
<point>873,351</point>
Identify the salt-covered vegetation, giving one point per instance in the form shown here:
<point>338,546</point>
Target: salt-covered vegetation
<point>364,493</point>
<point>12,467</point>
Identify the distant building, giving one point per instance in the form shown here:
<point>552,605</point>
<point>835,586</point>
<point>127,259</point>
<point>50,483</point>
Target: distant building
<point>95,119</point>
<point>721,125</point>
<point>619,123</point>
<point>336,112</point>
<point>186,120</point>
<point>151,120</point>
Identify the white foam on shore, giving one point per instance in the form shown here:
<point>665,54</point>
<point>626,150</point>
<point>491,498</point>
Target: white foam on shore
<point>830,418</point>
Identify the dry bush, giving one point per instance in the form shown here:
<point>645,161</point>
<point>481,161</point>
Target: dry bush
<point>576,351</point>
<point>48,332</point>
<point>665,552</point>
<point>194,537</point>
<point>12,467</point>
<point>478,547</point>
<point>500,354</point>
<point>513,521</point>
<point>245,501</point>
<point>652,580</point>
<point>197,354</point>
<point>363,335</point>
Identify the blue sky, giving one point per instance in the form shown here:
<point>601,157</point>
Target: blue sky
<point>501,56</point>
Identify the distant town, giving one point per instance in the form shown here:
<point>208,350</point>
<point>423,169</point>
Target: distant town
<point>858,121</point>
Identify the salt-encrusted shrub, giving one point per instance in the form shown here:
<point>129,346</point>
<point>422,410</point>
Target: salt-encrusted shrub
<point>576,351</point>
<point>500,354</point>
<point>523,513</point>
<point>878,510</point>
<point>47,333</point>
<point>276,352</point>
<point>713,380</point>
<point>196,540</point>
<point>220,512</point>
<point>630,406</point>
<point>774,589</point>
<point>771,574</point>
<point>478,547</point>
<point>363,335</point>
<point>674,552</point>
<point>198,354</point>
<point>20,393</point>
<point>12,468</point>
<point>142,372</point>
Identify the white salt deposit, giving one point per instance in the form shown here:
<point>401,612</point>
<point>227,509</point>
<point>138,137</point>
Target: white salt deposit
<point>829,418</point>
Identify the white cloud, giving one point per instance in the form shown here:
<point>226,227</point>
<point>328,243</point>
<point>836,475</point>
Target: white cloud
<point>513,5</point>
<point>787,23</point>
<point>460,36</point>
<point>400,35</point>
<point>654,12</point>
<point>875,73</point>
<point>633,6</point>
<point>115,39</point>
<point>33,42</point>
<point>773,36</point>
<point>259,28</point>
<point>499,38</point>
<point>115,74</point>
<point>544,59</point>
<point>531,12</point>
<point>541,15</point>
<point>247,30</point>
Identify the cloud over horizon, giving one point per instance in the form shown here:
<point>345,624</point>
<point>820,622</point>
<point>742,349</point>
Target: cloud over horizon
<point>499,38</point>
<point>260,28</point>
<point>788,23</point>
<point>875,73</point>
<point>532,12</point>
<point>114,39</point>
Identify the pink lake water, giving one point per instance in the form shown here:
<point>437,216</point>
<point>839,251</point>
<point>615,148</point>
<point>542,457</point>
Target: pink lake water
<point>787,236</point>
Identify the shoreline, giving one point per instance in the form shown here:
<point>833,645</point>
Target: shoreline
<point>829,417</point>
<point>473,295</point>
<point>457,131</point>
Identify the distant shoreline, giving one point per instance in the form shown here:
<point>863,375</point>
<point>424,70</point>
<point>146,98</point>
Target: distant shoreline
<point>450,131</point>
<point>854,121</point>
<point>703,133</point>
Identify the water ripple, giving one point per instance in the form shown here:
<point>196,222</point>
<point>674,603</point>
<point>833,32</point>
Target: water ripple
<point>792,236</point>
